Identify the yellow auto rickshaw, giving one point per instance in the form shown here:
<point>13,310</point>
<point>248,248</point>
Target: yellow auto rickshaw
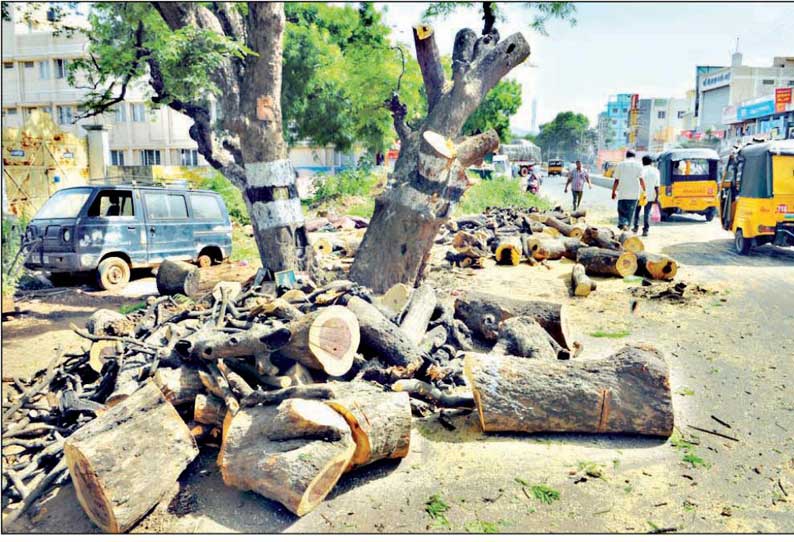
<point>757,195</point>
<point>688,179</point>
<point>555,167</point>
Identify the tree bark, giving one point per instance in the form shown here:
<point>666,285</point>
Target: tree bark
<point>482,313</point>
<point>628,392</point>
<point>581,284</point>
<point>418,313</point>
<point>427,185</point>
<point>180,386</point>
<point>656,266</point>
<point>177,277</point>
<point>569,230</point>
<point>509,250</point>
<point>123,462</point>
<point>383,337</point>
<point>631,242</point>
<point>606,262</point>
<point>601,237</point>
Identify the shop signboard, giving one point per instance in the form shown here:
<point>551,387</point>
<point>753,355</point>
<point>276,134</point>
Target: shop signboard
<point>760,107</point>
<point>715,80</point>
<point>782,99</point>
<point>729,114</point>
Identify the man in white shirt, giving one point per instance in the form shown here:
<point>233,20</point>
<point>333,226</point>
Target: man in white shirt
<point>651,177</point>
<point>627,188</point>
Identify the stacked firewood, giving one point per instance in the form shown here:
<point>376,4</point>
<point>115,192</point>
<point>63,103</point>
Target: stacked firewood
<point>512,235</point>
<point>298,387</point>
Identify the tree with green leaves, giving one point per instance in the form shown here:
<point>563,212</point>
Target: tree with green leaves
<point>501,103</point>
<point>569,136</point>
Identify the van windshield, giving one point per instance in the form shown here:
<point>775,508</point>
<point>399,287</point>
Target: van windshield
<point>64,203</point>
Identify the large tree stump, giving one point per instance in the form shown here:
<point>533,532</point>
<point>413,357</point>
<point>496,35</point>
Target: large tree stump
<point>628,392</point>
<point>656,266</point>
<point>383,337</point>
<point>381,421</point>
<point>482,313</point>
<point>605,262</point>
<point>293,453</point>
<point>324,340</point>
<point>418,313</point>
<point>581,284</point>
<point>177,277</point>
<point>125,461</point>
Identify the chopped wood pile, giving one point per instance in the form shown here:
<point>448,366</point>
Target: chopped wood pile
<point>511,236</point>
<point>311,382</point>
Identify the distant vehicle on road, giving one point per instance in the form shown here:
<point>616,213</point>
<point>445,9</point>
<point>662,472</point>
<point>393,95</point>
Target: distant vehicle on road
<point>522,156</point>
<point>110,228</point>
<point>688,182</point>
<point>757,195</point>
<point>555,167</point>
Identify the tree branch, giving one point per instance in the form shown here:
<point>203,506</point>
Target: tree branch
<point>430,63</point>
<point>473,149</point>
<point>462,53</point>
<point>490,67</point>
<point>398,112</point>
<point>489,17</point>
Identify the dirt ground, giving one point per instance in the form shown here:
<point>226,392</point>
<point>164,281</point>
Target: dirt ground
<point>730,347</point>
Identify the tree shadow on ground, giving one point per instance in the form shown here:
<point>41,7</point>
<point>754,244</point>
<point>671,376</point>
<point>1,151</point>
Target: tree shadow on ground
<point>721,252</point>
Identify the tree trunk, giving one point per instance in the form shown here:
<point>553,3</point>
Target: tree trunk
<point>522,336</point>
<point>383,337</point>
<point>293,453</point>
<point>656,266</point>
<point>324,340</point>
<point>418,313</point>
<point>180,386</point>
<point>605,262</point>
<point>544,248</point>
<point>601,237</point>
<point>569,230</point>
<point>177,277</point>
<point>581,284</point>
<point>628,392</point>
<point>430,179</point>
<point>123,462</point>
<point>482,313</point>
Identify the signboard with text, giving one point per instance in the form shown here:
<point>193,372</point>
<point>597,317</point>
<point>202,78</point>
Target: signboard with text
<point>753,109</point>
<point>782,99</point>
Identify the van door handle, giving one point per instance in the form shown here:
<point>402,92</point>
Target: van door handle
<point>131,228</point>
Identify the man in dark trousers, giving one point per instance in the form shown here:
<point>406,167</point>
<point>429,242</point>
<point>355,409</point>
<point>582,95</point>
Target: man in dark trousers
<point>576,178</point>
<point>627,188</point>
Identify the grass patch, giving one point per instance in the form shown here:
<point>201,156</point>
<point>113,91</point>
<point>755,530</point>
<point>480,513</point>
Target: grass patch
<point>541,492</point>
<point>694,460</point>
<point>436,508</point>
<point>244,247</point>
<point>128,308</point>
<point>678,441</point>
<point>498,192</point>
<point>480,526</point>
<point>601,334</point>
<point>686,391</point>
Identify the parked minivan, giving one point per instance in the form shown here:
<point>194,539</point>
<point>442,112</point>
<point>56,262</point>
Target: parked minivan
<point>110,228</point>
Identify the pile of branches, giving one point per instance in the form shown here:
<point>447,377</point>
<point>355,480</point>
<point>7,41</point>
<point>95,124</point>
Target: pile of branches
<point>511,236</point>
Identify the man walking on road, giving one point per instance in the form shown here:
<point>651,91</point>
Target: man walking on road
<point>627,188</point>
<point>577,177</point>
<point>651,177</point>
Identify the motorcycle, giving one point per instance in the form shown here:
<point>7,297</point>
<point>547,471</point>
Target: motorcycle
<point>533,184</point>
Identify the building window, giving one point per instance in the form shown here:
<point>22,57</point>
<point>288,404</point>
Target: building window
<point>61,67</point>
<point>10,111</point>
<point>65,114</point>
<point>8,65</point>
<point>681,114</point>
<point>29,64</point>
<point>47,109</point>
<point>625,110</point>
<point>121,114</point>
<point>661,114</point>
<point>44,69</point>
<point>150,157</point>
<point>614,110</point>
<point>116,158</point>
<point>138,112</point>
<point>791,83</point>
<point>768,82</point>
<point>188,157</point>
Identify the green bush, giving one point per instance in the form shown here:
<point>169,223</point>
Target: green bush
<point>498,192</point>
<point>12,239</point>
<point>350,182</point>
<point>231,196</point>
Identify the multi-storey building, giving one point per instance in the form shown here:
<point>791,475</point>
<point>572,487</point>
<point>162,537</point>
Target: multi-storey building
<point>616,135</point>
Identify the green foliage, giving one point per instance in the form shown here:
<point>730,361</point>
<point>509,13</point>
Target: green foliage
<point>694,460</point>
<point>480,526</point>
<point>436,508</point>
<point>501,103</point>
<point>678,441</point>
<point>244,247</point>
<point>569,134</point>
<point>619,334</point>
<point>498,192</point>
<point>545,494</point>
<point>129,308</point>
<point>591,469</point>
<point>12,229</point>
<point>350,182</point>
<point>542,12</point>
<point>230,194</point>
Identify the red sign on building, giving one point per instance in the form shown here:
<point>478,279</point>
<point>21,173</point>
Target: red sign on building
<point>782,99</point>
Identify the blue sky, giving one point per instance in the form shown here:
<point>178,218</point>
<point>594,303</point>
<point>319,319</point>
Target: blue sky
<point>644,47</point>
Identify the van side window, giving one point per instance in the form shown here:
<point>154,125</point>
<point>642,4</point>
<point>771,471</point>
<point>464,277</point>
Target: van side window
<point>205,206</point>
<point>168,206</point>
<point>112,203</point>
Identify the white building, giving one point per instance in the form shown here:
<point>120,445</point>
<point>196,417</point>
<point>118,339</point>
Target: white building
<point>731,85</point>
<point>667,119</point>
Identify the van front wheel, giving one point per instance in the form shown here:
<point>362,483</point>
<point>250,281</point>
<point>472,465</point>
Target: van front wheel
<point>113,273</point>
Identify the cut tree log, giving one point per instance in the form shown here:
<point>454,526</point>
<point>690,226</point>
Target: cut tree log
<point>631,242</point>
<point>522,336</point>
<point>301,467</point>
<point>470,244</point>
<point>508,251</point>
<point>383,337</point>
<point>483,312</point>
<point>395,299</point>
<point>418,313</point>
<point>581,284</point>
<point>380,421</point>
<point>544,248</point>
<point>627,392</point>
<point>601,238</point>
<point>569,230</point>
<point>178,277</point>
<point>180,386</point>
<point>258,339</point>
<point>126,460</point>
<point>324,340</point>
<point>602,261</point>
<point>209,410</point>
<point>656,266</point>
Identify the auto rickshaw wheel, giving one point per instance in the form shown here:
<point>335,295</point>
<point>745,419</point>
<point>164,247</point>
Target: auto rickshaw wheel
<point>711,212</point>
<point>665,215</point>
<point>742,244</point>
<point>524,171</point>
<point>113,273</point>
